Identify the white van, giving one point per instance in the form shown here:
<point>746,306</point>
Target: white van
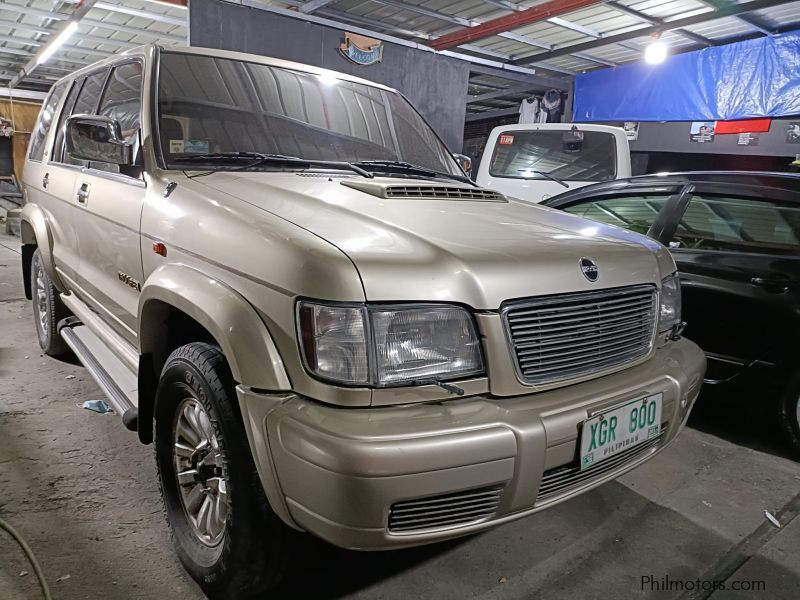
<point>534,162</point>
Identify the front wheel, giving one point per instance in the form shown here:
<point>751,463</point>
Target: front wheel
<point>222,527</point>
<point>789,414</point>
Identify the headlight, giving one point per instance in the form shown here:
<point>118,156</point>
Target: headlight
<point>388,345</point>
<point>670,310</point>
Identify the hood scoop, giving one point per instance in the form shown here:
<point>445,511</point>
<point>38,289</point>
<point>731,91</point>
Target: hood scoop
<point>427,191</point>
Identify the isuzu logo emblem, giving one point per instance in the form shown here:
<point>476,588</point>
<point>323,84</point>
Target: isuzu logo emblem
<point>589,269</point>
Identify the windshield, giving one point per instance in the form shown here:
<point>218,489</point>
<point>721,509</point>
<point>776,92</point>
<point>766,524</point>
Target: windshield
<point>211,105</point>
<point>561,154</point>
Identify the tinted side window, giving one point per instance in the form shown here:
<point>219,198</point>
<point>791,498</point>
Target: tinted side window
<point>123,101</point>
<point>637,213</point>
<point>86,103</point>
<point>58,145</point>
<point>36,151</point>
<point>739,224</point>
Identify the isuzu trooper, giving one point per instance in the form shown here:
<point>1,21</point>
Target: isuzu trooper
<point>281,277</point>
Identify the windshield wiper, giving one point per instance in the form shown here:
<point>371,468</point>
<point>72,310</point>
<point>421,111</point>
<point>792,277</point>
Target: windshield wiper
<point>404,167</point>
<point>255,159</point>
<point>550,177</point>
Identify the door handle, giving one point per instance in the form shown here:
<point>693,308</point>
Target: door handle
<point>772,284</point>
<point>46,180</point>
<point>83,193</point>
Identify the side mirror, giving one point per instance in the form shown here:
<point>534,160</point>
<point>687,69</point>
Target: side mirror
<point>97,138</point>
<point>464,161</point>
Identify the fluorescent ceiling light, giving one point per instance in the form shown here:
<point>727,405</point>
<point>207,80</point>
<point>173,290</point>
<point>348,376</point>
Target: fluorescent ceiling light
<point>655,52</point>
<point>57,42</point>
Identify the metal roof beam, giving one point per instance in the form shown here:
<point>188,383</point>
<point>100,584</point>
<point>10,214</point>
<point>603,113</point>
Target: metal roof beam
<point>728,11</point>
<point>157,35</point>
<point>512,91</point>
<point>433,14</point>
<point>627,10</point>
<point>312,5</point>
<point>540,12</point>
<point>143,14</point>
<point>33,63</point>
<point>24,27</point>
<point>752,21</point>
<point>491,114</point>
<point>545,82</point>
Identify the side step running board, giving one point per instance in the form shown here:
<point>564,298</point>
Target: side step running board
<point>118,383</point>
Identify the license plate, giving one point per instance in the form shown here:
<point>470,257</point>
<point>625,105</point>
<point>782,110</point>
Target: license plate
<point>610,432</point>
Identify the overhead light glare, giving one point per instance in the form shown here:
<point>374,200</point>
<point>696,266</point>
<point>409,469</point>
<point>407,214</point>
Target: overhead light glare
<point>656,52</point>
<point>57,42</point>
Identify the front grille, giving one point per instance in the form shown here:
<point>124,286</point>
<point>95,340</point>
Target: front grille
<point>555,338</point>
<point>450,193</point>
<point>434,512</point>
<point>562,479</point>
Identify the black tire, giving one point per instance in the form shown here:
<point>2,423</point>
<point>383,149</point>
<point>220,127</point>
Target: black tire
<point>48,309</point>
<point>789,414</point>
<point>256,547</point>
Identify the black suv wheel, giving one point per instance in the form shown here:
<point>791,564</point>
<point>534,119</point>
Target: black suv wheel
<point>223,529</point>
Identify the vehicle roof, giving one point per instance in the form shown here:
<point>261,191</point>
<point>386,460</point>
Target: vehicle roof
<point>213,52</point>
<point>789,182</point>
<point>558,127</point>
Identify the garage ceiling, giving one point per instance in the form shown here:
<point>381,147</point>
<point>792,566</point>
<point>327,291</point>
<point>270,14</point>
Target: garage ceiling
<point>591,35</point>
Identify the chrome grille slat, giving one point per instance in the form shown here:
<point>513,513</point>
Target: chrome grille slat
<point>551,347</point>
<point>557,338</point>
<point>562,479</point>
<point>544,311</point>
<point>446,510</point>
<point>562,338</point>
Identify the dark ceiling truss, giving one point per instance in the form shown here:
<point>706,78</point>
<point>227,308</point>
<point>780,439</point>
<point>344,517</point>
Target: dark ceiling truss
<point>728,10</point>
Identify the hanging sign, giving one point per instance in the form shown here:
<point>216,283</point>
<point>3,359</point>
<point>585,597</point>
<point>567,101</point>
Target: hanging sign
<point>702,132</point>
<point>361,50</point>
<point>747,139</point>
<point>793,133</point>
<point>631,130</point>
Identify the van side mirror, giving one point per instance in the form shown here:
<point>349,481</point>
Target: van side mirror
<point>97,138</point>
<point>464,161</point>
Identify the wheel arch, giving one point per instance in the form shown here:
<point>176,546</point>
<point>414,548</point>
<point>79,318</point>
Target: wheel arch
<point>35,233</point>
<point>179,304</point>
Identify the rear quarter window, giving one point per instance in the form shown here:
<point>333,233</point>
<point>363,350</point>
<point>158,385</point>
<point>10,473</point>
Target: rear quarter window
<point>44,121</point>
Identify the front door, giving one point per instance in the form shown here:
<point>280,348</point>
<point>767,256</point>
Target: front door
<point>110,201</point>
<point>738,255</point>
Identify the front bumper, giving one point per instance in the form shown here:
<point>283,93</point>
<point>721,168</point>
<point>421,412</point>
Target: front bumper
<point>337,472</point>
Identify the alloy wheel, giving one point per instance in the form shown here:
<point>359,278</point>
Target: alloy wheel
<point>198,468</point>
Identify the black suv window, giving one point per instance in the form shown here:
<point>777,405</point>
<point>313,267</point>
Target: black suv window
<point>636,213</point>
<point>122,101</point>
<point>43,124</point>
<point>86,103</point>
<point>58,145</point>
<point>739,224</point>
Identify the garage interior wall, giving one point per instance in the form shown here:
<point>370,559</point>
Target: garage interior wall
<point>23,117</point>
<point>436,85</point>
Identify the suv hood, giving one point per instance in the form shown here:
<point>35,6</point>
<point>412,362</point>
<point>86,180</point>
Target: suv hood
<point>473,251</point>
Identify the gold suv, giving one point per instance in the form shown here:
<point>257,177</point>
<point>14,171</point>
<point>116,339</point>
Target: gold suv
<point>282,277</point>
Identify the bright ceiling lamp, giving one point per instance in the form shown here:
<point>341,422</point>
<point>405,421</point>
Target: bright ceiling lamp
<point>57,42</point>
<point>656,51</point>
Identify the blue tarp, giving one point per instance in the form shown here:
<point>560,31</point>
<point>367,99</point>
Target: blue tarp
<point>756,78</point>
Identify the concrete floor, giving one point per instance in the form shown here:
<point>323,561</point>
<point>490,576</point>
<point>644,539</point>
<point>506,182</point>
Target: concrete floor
<point>83,492</point>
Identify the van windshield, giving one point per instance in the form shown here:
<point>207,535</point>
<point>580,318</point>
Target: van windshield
<point>215,106</point>
<point>562,154</point>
